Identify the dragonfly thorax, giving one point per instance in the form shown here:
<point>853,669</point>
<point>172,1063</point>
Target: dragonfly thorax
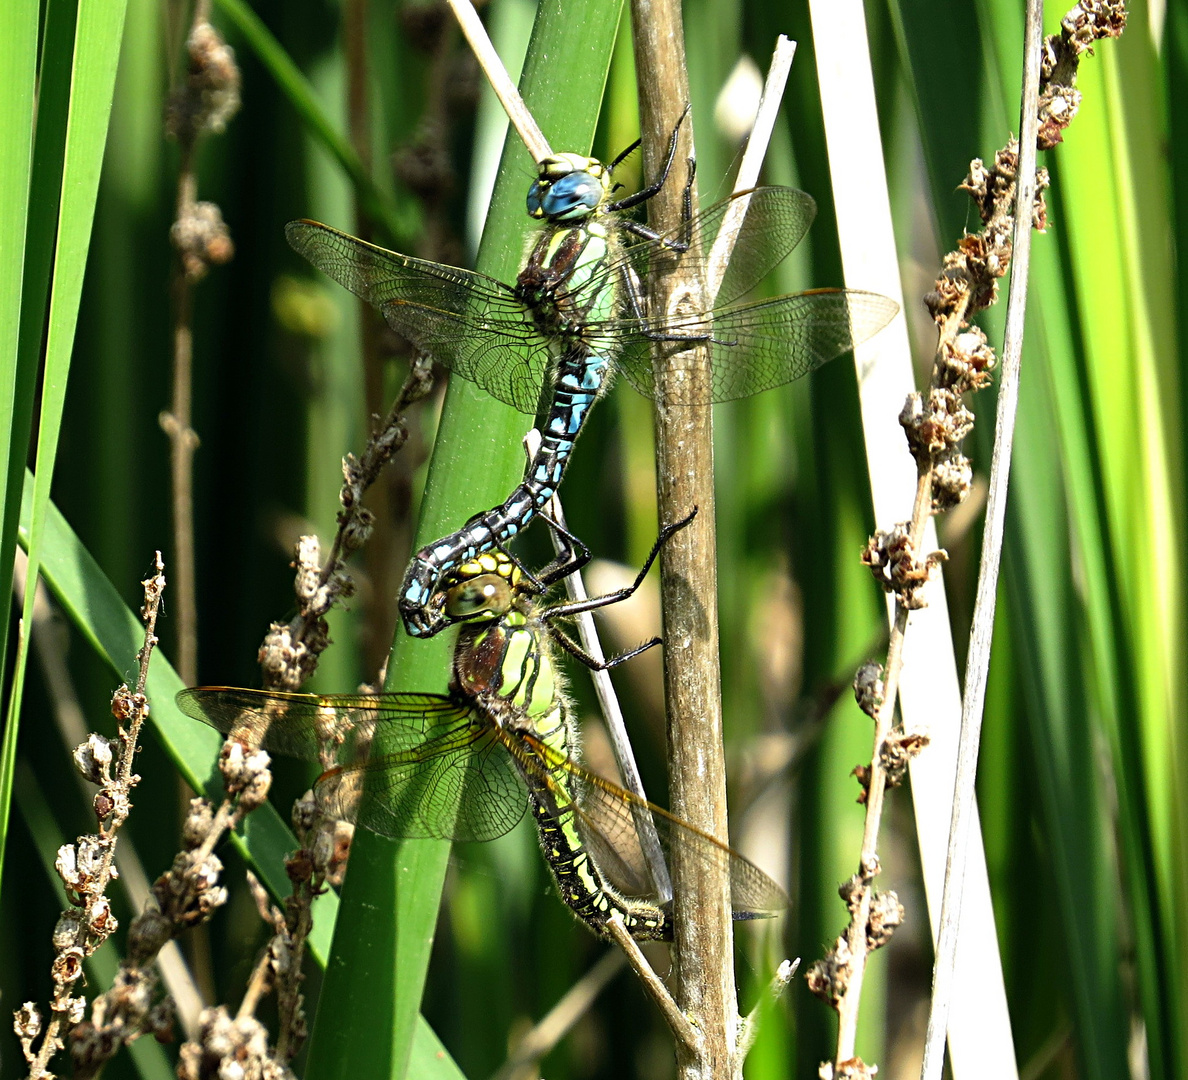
<point>507,665</point>
<point>568,187</point>
<point>560,285</point>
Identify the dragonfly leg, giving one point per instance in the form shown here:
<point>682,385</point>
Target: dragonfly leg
<point>624,156</point>
<point>595,602</point>
<point>646,193</point>
<point>569,560</point>
<point>576,651</point>
<point>679,247</point>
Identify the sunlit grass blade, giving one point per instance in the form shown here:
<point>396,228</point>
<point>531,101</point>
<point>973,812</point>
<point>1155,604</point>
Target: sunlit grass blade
<point>18,29</point>
<point>381,949</point>
<point>92,74</point>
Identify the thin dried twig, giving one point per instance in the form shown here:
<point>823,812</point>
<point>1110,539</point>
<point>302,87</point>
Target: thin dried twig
<point>703,952</point>
<point>978,663</point>
<point>935,428</point>
<point>685,1031</point>
<point>509,97</point>
<point>87,867</point>
<point>51,643</point>
<point>204,103</point>
<point>290,651</point>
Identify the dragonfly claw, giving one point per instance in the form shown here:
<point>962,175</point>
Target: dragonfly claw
<point>422,604</point>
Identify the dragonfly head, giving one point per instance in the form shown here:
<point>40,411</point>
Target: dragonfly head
<point>568,187</point>
<point>482,590</point>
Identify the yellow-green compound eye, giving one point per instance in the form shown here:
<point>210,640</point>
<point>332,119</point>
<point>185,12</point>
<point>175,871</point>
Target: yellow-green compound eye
<point>485,597</point>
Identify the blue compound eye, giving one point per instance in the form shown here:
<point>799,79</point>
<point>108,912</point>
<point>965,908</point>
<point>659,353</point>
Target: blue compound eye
<point>571,196</point>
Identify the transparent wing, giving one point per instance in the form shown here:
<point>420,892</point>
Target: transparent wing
<point>759,345</point>
<point>471,323</point>
<point>415,765</point>
<point>605,816</point>
<point>771,222</point>
<point>461,785</point>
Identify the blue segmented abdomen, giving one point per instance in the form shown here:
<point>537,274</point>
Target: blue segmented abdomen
<point>581,377</point>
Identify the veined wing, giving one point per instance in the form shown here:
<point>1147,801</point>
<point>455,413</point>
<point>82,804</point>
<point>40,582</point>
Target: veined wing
<point>773,222</point>
<point>605,815</point>
<point>471,323</point>
<point>404,765</point>
<point>760,345</point>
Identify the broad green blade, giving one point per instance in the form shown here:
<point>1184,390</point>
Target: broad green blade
<point>392,892</point>
<point>92,75</point>
<point>18,75</point>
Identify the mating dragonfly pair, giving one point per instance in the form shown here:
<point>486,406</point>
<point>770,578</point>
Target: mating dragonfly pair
<point>464,765</point>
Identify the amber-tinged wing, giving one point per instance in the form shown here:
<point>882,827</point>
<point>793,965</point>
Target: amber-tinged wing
<point>403,765</point>
<point>606,820</point>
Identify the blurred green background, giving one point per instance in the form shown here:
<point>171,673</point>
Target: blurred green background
<point>1083,743</point>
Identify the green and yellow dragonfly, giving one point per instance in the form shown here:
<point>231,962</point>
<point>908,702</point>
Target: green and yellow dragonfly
<point>464,765</point>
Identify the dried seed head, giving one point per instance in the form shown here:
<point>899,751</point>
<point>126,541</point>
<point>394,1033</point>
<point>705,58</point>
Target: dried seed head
<point>202,239</point>
<point>147,935</point>
<point>100,921</point>
<point>75,1009</point>
<point>160,1019</point>
<point>78,864</point>
<point>105,802</point>
<point>886,915</point>
<point>67,966</point>
<point>121,704</point>
<point>868,687</point>
<point>305,814</point>
<point>199,821</point>
<point>26,1021</point>
<point>286,660</point>
<point>210,96</point>
<point>952,479</point>
<point>897,751</point>
<point>67,929</point>
<point>829,977</point>
<point>228,1049</point>
<point>241,767</point>
<point>93,759</point>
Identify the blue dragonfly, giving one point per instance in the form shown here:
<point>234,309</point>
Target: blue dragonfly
<point>578,313</point>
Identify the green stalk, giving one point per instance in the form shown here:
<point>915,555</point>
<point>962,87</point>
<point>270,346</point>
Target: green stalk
<point>92,76</point>
<point>371,996</point>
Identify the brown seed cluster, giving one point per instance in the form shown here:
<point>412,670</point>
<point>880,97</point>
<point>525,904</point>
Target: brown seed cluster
<point>210,95</point>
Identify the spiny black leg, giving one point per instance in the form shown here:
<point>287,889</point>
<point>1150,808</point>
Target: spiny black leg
<point>532,582</point>
<point>687,205</point>
<point>570,559</point>
<point>645,233</point>
<point>647,193</point>
<point>595,602</point>
<point>634,297</point>
<point>624,156</point>
<point>575,650</point>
